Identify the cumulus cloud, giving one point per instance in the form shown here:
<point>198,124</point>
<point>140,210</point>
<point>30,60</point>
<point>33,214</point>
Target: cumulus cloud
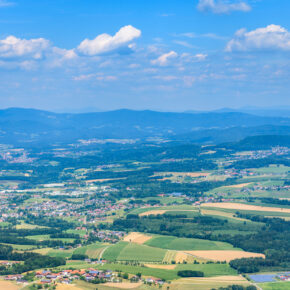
<point>222,6</point>
<point>105,43</point>
<point>164,59</point>
<point>13,47</point>
<point>272,37</point>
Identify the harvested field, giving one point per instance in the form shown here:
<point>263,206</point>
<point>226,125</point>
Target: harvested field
<point>43,251</point>
<point>241,185</point>
<point>208,283</point>
<point>124,285</point>
<point>241,206</point>
<point>153,212</point>
<point>137,238</point>
<point>180,257</point>
<point>102,180</point>
<point>169,257</point>
<point>8,285</point>
<point>166,267</point>
<point>224,255</point>
<point>67,287</point>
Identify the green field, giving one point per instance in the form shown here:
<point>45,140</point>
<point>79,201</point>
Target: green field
<point>275,286</point>
<point>47,237</point>
<point>112,252</point>
<point>124,251</point>
<point>174,243</point>
<point>92,251</point>
<point>143,253</point>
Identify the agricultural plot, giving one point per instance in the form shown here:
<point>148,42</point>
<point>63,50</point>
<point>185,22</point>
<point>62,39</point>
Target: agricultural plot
<point>275,286</point>
<point>224,255</point>
<point>208,283</point>
<point>112,252</point>
<point>8,285</point>
<point>248,207</point>
<point>25,226</point>
<point>93,251</point>
<point>54,253</point>
<point>137,238</point>
<point>183,244</point>
<point>47,237</point>
<point>142,253</point>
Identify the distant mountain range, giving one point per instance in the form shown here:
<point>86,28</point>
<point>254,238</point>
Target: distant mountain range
<point>29,126</point>
<point>265,112</point>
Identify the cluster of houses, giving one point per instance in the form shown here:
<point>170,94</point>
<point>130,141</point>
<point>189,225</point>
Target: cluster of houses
<point>108,236</point>
<point>88,275</point>
<point>284,276</point>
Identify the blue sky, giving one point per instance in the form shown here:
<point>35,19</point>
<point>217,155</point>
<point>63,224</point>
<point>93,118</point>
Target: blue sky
<point>74,55</point>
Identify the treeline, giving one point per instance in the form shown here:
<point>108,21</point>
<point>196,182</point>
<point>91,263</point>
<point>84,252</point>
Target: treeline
<point>258,163</point>
<point>31,261</point>
<point>203,227</point>
<point>271,200</point>
<point>49,222</point>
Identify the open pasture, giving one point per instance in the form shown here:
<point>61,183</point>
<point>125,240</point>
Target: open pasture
<point>241,206</point>
<point>224,255</point>
<point>183,244</point>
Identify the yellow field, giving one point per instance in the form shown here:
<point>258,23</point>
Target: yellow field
<point>180,257</point>
<point>137,238</point>
<point>169,256</point>
<point>241,185</point>
<point>124,285</point>
<point>27,226</point>
<point>67,287</point>
<point>240,206</point>
<point>153,212</point>
<point>42,251</point>
<point>166,267</point>
<point>224,255</point>
<point>207,283</point>
<point>8,285</point>
<point>102,180</point>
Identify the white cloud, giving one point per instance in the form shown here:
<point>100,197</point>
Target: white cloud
<point>272,37</point>
<point>200,56</point>
<point>164,59</point>
<point>222,6</point>
<point>4,3</point>
<point>105,43</point>
<point>13,47</point>
<point>187,57</point>
<point>97,76</point>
